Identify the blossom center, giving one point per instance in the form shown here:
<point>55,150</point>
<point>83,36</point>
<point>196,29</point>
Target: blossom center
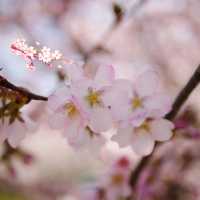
<point>71,109</point>
<point>93,97</point>
<point>117,179</point>
<point>136,103</point>
<point>145,126</point>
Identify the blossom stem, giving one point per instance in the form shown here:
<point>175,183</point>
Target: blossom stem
<point>178,103</point>
<point>31,96</point>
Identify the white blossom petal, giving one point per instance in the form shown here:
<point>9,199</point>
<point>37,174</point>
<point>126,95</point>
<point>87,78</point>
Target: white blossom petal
<point>158,105</point>
<point>147,83</point>
<point>124,136</point>
<point>58,98</point>
<point>57,120</point>
<point>74,72</point>
<point>100,120</point>
<point>138,117</point>
<point>142,143</point>
<point>125,86</point>
<point>118,103</point>
<point>161,129</point>
<point>104,76</point>
<point>71,132</point>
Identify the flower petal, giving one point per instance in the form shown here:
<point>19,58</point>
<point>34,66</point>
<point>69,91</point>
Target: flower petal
<point>147,83</point>
<point>142,143</point>
<point>72,130</point>
<point>161,129</point>
<point>138,117</point>
<point>158,105</point>
<point>74,72</point>
<point>58,98</point>
<point>124,136</point>
<point>104,76</point>
<point>100,120</point>
<point>118,103</point>
<point>57,120</point>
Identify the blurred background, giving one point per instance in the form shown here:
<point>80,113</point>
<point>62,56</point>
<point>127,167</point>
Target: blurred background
<point>132,35</point>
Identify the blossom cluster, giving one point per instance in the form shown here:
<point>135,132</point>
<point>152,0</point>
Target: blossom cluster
<point>87,108</point>
<point>37,53</point>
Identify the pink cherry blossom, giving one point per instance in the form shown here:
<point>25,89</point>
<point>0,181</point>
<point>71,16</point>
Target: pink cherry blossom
<point>36,53</point>
<point>135,101</point>
<point>20,47</point>
<point>90,93</point>
<point>143,137</point>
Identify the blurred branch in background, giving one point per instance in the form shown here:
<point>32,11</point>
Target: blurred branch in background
<point>120,17</point>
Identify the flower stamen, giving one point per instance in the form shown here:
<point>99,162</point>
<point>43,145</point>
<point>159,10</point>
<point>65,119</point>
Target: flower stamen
<point>93,98</point>
<point>145,126</point>
<point>117,179</point>
<point>71,109</point>
<point>136,103</point>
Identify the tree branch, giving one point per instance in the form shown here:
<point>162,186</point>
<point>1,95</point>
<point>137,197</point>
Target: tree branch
<point>184,94</point>
<point>179,101</point>
<point>31,96</point>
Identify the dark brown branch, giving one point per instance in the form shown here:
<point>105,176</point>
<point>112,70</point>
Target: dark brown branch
<point>179,101</point>
<point>184,94</point>
<point>31,96</point>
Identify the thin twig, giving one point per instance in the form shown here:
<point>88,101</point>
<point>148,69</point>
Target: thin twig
<point>31,96</point>
<point>178,103</point>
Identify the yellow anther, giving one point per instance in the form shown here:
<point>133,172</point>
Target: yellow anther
<point>136,103</point>
<point>71,109</point>
<point>93,98</point>
<point>117,179</point>
<point>145,126</point>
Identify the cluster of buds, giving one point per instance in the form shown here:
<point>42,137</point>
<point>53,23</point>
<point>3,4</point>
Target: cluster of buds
<point>37,53</point>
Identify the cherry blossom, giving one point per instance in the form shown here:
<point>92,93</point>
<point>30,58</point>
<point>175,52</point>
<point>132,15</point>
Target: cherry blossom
<point>46,56</point>
<point>90,93</point>
<point>134,101</point>
<point>20,47</point>
<point>143,137</point>
<point>37,53</point>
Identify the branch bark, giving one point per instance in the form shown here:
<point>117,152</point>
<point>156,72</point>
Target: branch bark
<point>178,103</point>
<point>31,96</point>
